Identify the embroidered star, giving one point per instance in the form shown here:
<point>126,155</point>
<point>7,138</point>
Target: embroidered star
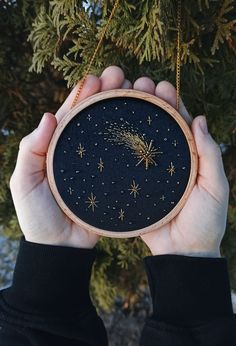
<point>70,190</point>
<point>146,153</point>
<point>149,120</point>
<point>121,215</point>
<point>171,169</point>
<point>101,165</point>
<point>175,143</point>
<point>92,202</point>
<point>81,151</point>
<point>134,188</point>
<point>163,197</point>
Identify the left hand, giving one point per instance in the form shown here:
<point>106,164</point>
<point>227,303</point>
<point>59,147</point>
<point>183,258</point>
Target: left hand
<point>41,219</point>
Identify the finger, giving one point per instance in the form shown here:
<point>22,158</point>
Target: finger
<point>145,84</point>
<point>91,86</point>
<point>112,78</point>
<point>126,85</point>
<point>33,148</point>
<point>167,92</point>
<point>211,169</point>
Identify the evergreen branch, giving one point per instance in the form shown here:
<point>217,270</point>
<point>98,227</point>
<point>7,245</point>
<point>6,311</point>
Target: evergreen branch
<point>202,3</point>
<point>44,40</point>
<point>224,26</point>
<point>72,71</point>
<point>62,8</point>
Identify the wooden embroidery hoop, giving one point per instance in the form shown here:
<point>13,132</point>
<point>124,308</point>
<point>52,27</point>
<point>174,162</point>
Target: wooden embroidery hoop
<point>109,95</point>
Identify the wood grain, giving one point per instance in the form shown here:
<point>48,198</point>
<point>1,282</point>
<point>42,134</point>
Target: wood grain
<point>134,94</point>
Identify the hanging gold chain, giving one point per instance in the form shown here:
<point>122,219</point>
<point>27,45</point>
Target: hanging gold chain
<point>95,53</point>
<point>178,57</point>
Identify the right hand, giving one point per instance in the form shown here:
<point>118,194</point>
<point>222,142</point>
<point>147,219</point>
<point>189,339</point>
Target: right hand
<point>199,227</point>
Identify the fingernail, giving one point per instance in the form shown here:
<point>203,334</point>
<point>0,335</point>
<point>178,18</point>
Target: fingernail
<point>43,119</point>
<point>203,125</point>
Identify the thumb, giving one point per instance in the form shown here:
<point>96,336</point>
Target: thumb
<point>33,148</point>
<point>211,174</point>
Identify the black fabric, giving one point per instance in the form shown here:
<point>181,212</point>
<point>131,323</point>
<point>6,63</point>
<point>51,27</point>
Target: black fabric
<point>99,133</point>
<point>191,302</point>
<point>217,333</point>
<point>48,303</point>
<point>69,270</point>
<point>183,288</point>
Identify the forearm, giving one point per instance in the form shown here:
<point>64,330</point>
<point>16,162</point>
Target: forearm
<point>49,298</point>
<point>191,302</point>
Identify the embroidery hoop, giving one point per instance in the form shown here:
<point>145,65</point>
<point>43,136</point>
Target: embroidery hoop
<point>110,95</point>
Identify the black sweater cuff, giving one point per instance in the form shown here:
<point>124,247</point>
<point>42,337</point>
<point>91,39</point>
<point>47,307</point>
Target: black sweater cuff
<point>51,280</point>
<point>189,290</point>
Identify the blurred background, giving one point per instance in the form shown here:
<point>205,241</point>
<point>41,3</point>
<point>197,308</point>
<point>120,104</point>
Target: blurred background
<point>45,47</point>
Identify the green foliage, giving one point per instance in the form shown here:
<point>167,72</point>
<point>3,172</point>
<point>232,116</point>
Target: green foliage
<point>55,40</point>
<point>112,277</point>
<point>44,40</point>
<point>224,26</point>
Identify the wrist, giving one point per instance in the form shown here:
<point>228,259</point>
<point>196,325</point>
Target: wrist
<point>76,241</point>
<point>211,253</point>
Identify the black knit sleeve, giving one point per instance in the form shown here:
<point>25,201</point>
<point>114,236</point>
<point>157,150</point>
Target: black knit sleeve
<point>49,302</point>
<point>191,302</point>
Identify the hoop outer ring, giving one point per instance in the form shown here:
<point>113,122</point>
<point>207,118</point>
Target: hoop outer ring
<point>112,94</point>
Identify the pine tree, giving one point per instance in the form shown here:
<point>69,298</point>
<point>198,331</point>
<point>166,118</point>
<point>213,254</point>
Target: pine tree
<point>45,48</point>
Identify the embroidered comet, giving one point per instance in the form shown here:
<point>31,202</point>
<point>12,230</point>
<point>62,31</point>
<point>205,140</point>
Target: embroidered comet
<point>144,151</point>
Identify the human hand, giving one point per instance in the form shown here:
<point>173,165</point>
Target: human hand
<point>199,228</point>
<point>40,218</point>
